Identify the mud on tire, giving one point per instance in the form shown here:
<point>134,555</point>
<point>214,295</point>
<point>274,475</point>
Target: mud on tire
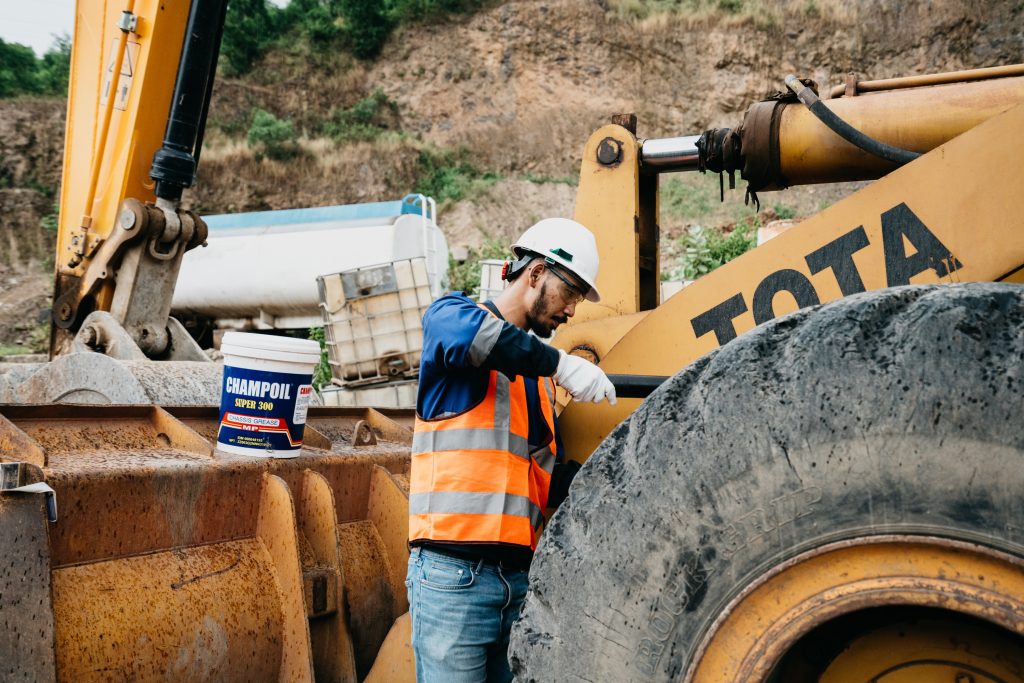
<point>895,411</point>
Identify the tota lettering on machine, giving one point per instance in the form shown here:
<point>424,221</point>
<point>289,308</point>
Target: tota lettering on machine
<point>899,225</point>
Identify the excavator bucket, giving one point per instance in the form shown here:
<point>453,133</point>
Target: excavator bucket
<point>169,560</point>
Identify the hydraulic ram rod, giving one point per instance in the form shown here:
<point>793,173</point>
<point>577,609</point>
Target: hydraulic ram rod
<point>664,155</point>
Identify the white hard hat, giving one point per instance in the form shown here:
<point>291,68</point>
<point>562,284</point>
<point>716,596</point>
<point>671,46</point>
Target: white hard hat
<point>566,243</point>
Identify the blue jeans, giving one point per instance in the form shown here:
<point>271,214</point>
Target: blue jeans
<point>462,613</point>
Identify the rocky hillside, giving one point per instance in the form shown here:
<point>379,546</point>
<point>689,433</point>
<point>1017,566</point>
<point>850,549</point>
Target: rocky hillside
<point>491,110</point>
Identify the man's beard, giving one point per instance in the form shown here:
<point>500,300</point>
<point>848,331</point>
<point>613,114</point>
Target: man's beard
<point>537,317</point>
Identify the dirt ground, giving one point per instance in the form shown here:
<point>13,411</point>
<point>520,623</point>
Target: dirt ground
<point>24,310</point>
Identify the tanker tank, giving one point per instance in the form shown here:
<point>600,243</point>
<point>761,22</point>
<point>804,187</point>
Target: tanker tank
<point>259,270</point>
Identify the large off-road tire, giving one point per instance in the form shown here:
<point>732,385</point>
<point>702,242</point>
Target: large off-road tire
<point>895,412</point>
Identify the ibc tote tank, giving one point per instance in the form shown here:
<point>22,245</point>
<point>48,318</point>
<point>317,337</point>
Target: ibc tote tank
<point>260,268</point>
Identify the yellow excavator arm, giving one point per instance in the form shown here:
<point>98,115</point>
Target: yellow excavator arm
<point>141,73</point>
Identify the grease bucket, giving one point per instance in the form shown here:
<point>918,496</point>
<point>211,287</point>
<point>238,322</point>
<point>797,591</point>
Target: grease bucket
<point>265,393</point>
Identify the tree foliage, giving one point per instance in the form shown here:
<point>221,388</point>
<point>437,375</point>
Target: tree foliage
<point>249,29</point>
<point>22,73</point>
<point>367,25</point>
<point>361,26</point>
<point>271,136</point>
<point>446,175</point>
<point>412,11</point>
<point>17,69</point>
<point>361,121</point>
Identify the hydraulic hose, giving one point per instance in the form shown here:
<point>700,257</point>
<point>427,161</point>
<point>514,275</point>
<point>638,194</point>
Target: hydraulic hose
<point>845,130</point>
<point>636,386</point>
<point>174,164</point>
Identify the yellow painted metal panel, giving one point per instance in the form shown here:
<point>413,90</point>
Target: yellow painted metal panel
<point>930,650</point>
<point>609,208</point>
<point>958,201</point>
<point>1016,276</point>
<point>142,100</point>
<point>790,601</point>
<point>207,613</point>
<point>918,120</point>
<point>277,529</point>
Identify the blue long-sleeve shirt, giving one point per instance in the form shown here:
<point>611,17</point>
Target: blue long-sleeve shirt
<point>462,343</point>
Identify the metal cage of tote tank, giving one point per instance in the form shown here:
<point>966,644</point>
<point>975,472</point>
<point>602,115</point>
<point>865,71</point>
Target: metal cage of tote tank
<point>491,284</point>
<point>373,321</point>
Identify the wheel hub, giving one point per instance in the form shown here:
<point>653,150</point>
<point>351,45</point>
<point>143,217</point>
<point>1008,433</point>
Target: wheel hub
<point>751,638</point>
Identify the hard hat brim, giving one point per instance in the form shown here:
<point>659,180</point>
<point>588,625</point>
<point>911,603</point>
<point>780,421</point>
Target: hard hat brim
<point>592,294</point>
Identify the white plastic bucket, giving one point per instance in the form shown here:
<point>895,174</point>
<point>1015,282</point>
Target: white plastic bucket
<point>265,393</point>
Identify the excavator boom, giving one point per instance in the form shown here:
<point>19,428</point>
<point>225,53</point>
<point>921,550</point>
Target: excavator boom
<point>132,146</point>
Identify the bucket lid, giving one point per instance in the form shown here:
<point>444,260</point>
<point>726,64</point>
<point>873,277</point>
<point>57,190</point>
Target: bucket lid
<point>269,342</point>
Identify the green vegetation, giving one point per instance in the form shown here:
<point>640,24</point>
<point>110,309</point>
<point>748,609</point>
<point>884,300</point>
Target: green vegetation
<point>418,10</point>
<point>694,199</point>
<point>446,175</point>
<point>465,276</point>
<point>690,201</point>
<point>361,121</point>
<point>39,338</point>
<point>315,19</point>
<point>783,212</point>
<point>251,26</point>
<point>706,249</point>
<point>322,372</point>
<point>367,25</point>
<point>38,341</point>
<point>22,73</point>
<point>272,137</point>
<point>641,9</point>
<point>552,179</point>
<point>361,26</point>
<point>48,191</point>
<point>49,221</point>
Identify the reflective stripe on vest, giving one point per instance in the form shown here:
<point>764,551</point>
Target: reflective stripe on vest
<point>545,456</point>
<point>461,502</point>
<point>473,478</point>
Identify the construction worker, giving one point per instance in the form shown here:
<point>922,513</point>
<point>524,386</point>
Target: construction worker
<point>486,457</point>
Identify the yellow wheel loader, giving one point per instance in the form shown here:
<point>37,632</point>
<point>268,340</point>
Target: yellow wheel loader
<point>814,473</point>
<point>828,495</point>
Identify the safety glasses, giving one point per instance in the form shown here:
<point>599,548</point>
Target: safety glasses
<point>571,294</point>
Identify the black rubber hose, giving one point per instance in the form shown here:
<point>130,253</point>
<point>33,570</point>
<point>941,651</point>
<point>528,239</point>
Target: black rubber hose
<point>845,130</point>
<point>209,84</point>
<point>174,166</point>
<point>636,386</point>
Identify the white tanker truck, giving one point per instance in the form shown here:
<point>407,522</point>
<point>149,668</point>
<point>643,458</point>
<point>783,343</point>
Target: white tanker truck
<point>260,269</point>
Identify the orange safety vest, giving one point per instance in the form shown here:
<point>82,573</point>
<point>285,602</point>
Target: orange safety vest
<point>474,479</point>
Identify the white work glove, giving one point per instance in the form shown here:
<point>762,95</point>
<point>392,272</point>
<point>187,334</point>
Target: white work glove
<point>584,380</point>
